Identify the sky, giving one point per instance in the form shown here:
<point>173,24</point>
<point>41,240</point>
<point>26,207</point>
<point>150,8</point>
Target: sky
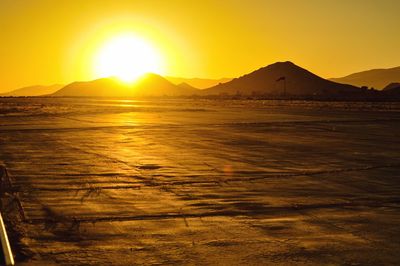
<point>47,42</point>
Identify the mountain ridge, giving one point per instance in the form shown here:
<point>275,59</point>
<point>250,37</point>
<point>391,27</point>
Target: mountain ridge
<point>149,84</point>
<point>281,78</point>
<point>277,80</point>
<point>376,78</point>
<point>199,83</point>
<point>35,90</point>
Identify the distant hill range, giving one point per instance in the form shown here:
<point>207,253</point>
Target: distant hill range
<point>198,83</point>
<point>278,80</point>
<point>283,78</point>
<point>33,91</point>
<point>392,86</point>
<point>186,86</point>
<point>375,78</point>
<point>148,85</point>
<point>392,91</point>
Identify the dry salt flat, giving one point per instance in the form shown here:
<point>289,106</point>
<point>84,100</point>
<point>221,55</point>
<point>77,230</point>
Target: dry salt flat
<point>205,182</point>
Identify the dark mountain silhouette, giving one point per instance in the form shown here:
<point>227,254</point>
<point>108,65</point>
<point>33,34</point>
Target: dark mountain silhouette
<point>276,80</point>
<point>391,86</point>
<point>148,85</point>
<point>98,87</point>
<point>33,90</point>
<point>198,82</point>
<point>376,78</point>
<point>391,91</point>
<point>270,80</point>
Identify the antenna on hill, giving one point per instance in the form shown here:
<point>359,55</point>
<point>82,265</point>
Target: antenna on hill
<point>284,84</point>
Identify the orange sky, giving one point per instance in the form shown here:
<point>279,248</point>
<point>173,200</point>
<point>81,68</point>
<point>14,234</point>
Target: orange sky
<point>45,42</point>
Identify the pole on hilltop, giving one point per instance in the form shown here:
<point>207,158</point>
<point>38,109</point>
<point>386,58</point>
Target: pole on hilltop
<point>284,84</point>
<point>284,87</point>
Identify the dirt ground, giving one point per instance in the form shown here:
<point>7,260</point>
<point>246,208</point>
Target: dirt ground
<point>158,182</point>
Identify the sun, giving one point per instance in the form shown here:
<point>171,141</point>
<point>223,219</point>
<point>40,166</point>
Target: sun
<point>127,57</point>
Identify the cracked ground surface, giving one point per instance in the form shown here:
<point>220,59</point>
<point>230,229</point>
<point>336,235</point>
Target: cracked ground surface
<point>119,182</point>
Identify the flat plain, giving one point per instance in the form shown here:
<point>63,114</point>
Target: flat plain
<point>205,182</point>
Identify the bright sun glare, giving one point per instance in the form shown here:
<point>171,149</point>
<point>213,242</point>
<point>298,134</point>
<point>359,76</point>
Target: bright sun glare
<point>127,57</point>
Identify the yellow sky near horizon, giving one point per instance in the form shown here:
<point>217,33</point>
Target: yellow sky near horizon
<point>47,42</point>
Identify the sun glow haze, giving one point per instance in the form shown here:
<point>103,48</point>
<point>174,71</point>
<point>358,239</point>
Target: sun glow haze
<point>127,57</point>
<point>61,41</point>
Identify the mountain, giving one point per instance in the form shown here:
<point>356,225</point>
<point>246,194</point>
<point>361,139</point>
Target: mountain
<point>186,86</point>
<point>148,85</point>
<point>270,80</point>
<point>392,91</point>
<point>376,78</point>
<point>198,82</point>
<point>392,86</point>
<point>33,90</point>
